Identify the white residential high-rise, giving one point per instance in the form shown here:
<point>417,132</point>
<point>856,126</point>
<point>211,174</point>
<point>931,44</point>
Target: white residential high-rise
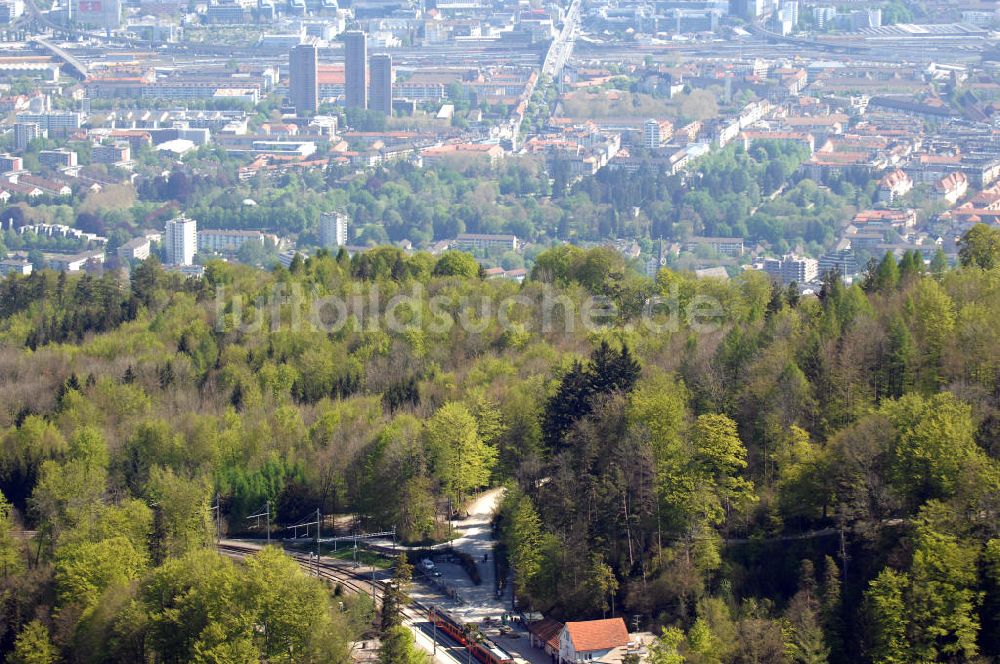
<point>11,10</point>
<point>181,240</point>
<point>824,16</point>
<point>790,9</point>
<point>753,8</point>
<point>25,132</point>
<point>651,134</point>
<point>333,229</point>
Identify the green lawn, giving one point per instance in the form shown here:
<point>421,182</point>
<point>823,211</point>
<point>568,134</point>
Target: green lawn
<point>346,552</point>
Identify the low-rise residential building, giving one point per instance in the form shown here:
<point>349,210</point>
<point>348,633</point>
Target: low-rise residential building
<point>894,185</point>
<point>935,110</point>
<point>188,271</point>
<point>116,153</point>
<point>717,272</point>
<point>195,88</point>
<point>46,186</point>
<point>19,266</point>
<point>60,158</point>
<point>930,168</point>
<point>10,163</point>
<point>968,214</point>
<point>516,274</point>
<point>842,261</point>
<point>75,262</point>
<point>688,133</point>
<point>544,634</point>
<point>11,189</point>
<point>867,242</point>
<point>792,268</point>
<point>952,187</point>
<point>591,640</point>
<point>897,219</point>
<point>231,13</point>
<point>727,246</point>
<point>61,230</point>
<point>13,104</point>
<point>459,151</point>
<point>983,170</point>
<point>300,149</point>
<point>217,240</point>
<point>486,242</point>
<point>820,126</point>
<point>136,249</point>
<point>804,139</point>
<point>285,258</point>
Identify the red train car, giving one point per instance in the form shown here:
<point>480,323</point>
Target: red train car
<point>485,651</point>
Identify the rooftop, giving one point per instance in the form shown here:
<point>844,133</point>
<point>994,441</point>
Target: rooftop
<point>593,635</point>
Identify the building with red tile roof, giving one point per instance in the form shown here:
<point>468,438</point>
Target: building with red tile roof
<point>893,185</point>
<point>895,218</point>
<point>545,634</point>
<point>591,639</point>
<point>491,153</point>
<point>952,186</point>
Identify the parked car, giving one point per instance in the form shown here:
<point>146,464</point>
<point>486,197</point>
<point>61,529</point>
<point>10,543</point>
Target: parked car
<point>428,564</point>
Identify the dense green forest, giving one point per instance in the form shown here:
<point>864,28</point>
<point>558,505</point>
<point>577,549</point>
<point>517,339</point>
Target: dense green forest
<point>763,476</point>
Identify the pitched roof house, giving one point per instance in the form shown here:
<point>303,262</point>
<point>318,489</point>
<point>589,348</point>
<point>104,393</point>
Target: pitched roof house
<point>545,634</point>
<point>893,185</point>
<point>591,640</point>
<point>952,186</point>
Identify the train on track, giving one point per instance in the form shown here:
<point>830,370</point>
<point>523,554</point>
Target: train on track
<point>483,650</point>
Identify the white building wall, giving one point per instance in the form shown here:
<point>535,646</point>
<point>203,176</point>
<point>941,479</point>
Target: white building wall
<point>182,241</point>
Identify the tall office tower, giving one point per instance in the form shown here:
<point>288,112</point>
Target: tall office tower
<point>182,241</point>
<point>380,90</point>
<point>355,69</point>
<point>333,229</point>
<point>303,90</point>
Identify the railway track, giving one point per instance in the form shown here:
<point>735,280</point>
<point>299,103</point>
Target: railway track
<point>352,582</point>
<point>414,613</point>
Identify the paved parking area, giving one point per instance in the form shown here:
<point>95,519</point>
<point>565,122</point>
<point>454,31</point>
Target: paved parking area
<point>473,603</point>
<point>454,592</point>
